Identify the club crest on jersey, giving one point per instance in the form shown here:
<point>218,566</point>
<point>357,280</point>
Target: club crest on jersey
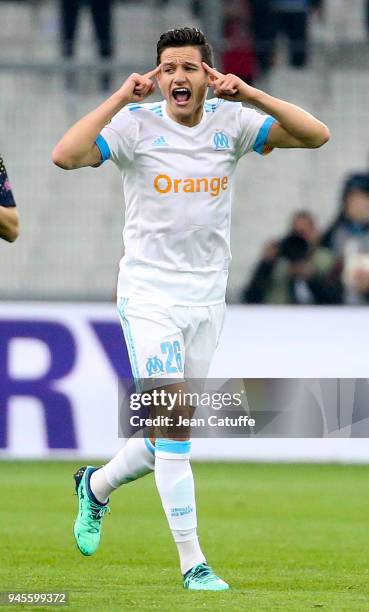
<point>154,365</point>
<point>220,141</point>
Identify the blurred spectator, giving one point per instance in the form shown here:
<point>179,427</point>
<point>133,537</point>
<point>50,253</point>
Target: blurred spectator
<point>262,26</point>
<point>9,223</point>
<point>289,17</point>
<point>101,11</point>
<point>238,56</point>
<point>348,237</point>
<point>296,269</point>
<point>303,224</point>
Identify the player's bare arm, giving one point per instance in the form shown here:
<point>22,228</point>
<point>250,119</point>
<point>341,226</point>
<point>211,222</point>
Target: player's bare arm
<point>9,223</point>
<point>77,148</point>
<point>294,127</point>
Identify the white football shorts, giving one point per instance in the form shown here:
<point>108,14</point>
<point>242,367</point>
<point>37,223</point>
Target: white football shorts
<point>170,342</point>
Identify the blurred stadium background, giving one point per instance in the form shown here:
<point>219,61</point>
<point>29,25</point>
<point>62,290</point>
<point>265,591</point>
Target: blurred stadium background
<point>71,222</point>
<point>76,218</point>
<point>63,268</point>
<point>288,537</point>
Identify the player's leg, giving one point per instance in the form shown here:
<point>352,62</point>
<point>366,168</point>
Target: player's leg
<point>134,460</point>
<point>156,345</point>
<point>173,474</point>
<point>164,371</point>
<point>144,328</point>
<point>201,338</point>
<point>148,333</point>
<point>175,483</point>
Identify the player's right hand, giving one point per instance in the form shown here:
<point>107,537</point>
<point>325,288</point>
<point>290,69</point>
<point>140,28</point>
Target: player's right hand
<point>138,86</point>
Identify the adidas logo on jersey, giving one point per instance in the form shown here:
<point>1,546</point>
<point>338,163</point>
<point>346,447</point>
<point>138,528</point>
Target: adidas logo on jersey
<point>160,142</point>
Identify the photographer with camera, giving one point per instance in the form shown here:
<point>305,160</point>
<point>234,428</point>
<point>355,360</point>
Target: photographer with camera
<point>296,269</point>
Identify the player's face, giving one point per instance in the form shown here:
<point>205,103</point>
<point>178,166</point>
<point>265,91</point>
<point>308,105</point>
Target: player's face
<point>183,83</point>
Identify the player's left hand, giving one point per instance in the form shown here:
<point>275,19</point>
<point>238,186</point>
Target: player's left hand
<point>228,86</point>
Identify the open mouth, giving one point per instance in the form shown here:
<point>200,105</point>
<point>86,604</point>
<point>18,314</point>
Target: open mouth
<point>181,95</point>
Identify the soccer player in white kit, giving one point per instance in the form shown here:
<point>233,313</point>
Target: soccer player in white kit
<point>177,160</point>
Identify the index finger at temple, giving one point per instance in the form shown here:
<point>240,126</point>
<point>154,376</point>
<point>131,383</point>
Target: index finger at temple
<point>153,73</point>
<point>212,71</point>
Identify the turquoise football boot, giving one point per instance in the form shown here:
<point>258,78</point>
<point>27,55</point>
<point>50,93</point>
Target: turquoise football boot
<point>202,578</point>
<point>87,528</point>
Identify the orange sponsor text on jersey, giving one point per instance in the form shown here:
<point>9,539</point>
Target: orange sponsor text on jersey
<point>213,185</point>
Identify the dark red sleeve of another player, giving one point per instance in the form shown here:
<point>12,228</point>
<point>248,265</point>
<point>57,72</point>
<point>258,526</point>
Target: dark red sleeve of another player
<point>6,196</point>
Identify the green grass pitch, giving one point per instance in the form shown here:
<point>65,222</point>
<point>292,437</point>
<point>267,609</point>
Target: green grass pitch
<point>286,537</point>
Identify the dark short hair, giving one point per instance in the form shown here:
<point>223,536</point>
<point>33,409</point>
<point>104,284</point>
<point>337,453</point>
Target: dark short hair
<point>356,182</point>
<point>303,213</point>
<point>185,37</point>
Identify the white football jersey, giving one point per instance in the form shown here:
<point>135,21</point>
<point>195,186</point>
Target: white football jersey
<point>177,183</point>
